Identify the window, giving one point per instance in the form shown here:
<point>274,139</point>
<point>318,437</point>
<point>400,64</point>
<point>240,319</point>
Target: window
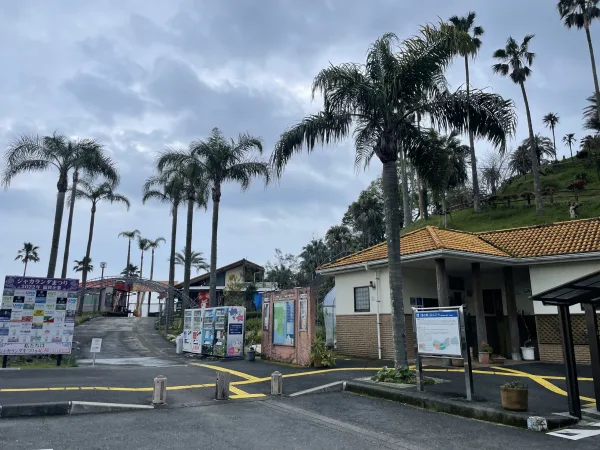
<point>362,302</point>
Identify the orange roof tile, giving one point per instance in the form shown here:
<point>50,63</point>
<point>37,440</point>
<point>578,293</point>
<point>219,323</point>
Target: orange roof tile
<point>575,236</point>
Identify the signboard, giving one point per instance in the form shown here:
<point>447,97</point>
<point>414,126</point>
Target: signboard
<point>235,331</point>
<point>96,345</point>
<point>438,332</point>
<point>37,315</point>
<point>283,323</point>
<point>303,312</point>
<point>265,314</point>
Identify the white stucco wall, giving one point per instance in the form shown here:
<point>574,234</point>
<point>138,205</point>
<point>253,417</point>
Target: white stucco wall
<point>547,276</point>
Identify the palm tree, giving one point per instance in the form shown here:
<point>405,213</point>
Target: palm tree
<point>31,153</point>
<point>380,98</point>
<point>491,177</point>
<point>95,193</point>
<point>153,245</point>
<point>187,166</point>
<point>570,140</point>
<point>131,271</point>
<point>129,235</point>
<point>543,146</point>
<point>366,218</point>
<point>515,61</point>
<point>339,239</point>
<point>551,120</point>
<point>29,253</point>
<point>143,246</point>
<point>590,115</point>
<point>471,43</point>
<point>167,190</point>
<point>224,161</point>
<point>520,161</point>
<point>314,254</point>
<point>580,14</point>
<point>83,265</point>
<point>198,261</point>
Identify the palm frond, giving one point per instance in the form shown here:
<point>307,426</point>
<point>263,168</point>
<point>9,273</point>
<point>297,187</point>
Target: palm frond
<point>24,166</point>
<point>245,171</point>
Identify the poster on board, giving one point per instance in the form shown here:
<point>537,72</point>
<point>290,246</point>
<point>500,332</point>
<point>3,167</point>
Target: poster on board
<point>37,315</point>
<point>283,323</point>
<point>303,312</point>
<point>438,332</point>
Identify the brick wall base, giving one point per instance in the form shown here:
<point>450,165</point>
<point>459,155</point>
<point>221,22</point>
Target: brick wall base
<point>356,335</point>
<point>554,353</point>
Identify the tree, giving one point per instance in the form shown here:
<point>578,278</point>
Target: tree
<point>95,193</point>
<point>131,271</point>
<point>167,189</point>
<point>366,218</point>
<point>284,271</point>
<point>380,98</point>
<point>339,240</point>
<point>29,253</point>
<point>84,265</point>
<point>31,153</point>
<point>129,235</point>
<point>234,293</point>
<point>467,47</point>
<point>569,140</point>
<point>543,146</point>
<point>314,254</point>
<point>198,261</point>
<point>187,166</point>
<point>153,245</point>
<point>551,120</point>
<point>515,61</point>
<point>143,247</point>
<point>580,14</point>
<point>590,115</point>
<point>520,161</point>
<point>494,171</point>
<point>227,161</point>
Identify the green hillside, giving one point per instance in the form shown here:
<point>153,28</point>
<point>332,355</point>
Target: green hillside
<point>498,214</point>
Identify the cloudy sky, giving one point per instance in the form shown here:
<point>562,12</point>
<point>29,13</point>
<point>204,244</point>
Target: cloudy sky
<point>141,75</point>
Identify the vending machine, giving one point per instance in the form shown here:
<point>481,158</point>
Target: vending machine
<point>208,331</point>
<point>216,331</point>
<point>197,320</point>
<point>187,330</point>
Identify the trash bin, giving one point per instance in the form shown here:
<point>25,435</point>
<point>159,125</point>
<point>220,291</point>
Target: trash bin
<point>179,344</point>
<point>251,354</point>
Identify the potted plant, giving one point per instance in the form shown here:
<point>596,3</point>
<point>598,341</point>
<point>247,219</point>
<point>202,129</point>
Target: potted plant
<point>320,356</point>
<point>528,352</point>
<point>514,396</point>
<point>485,352</point>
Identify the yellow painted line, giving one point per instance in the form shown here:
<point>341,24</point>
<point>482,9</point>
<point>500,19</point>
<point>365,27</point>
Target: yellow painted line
<point>247,396</point>
<point>243,375</point>
<point>258,380</point>
<point>190,386</point>
<point>590,405</point>
<point>24,390</point>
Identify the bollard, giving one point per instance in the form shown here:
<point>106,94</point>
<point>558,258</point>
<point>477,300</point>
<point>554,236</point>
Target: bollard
<point>222,386</point>
<point>159,397</point>
<point>276,383</point>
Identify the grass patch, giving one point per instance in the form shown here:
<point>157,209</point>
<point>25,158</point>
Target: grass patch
<point>40,362</point>
<point>403,375</point>
<point>87,316</point>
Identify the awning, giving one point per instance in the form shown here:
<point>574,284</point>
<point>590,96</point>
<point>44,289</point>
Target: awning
<point>582,290</point>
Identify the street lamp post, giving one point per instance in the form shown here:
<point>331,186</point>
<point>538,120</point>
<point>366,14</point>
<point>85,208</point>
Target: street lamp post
<point>102,290</point>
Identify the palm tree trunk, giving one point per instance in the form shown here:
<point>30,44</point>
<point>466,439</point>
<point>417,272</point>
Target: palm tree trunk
<point>389,180</point>
<point>69,224</point>
<point>128,254</point>
<point>405,194</point>
<point>535,168</point>
<point>554,140</point>
<point>594,71</point>
<point>171,298</point>
<point>140,296</point>
<point>25,269</point>
<point>58,215</point>
<point>474,176</point>
<point>216,198</point>
<point>151,276</point>
<point>444,209</point>
<point>191,202</point>
<point>86,262</point>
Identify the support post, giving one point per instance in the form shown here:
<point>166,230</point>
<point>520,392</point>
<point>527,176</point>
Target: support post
<point>58,360</point>
<point>479,312</point>
<point>4,361</point>
<point>418,362</point>
<point>276,383</point>
<point>159,396</point>
<point>570,363</point>
<point>441,277</point>
<point>592,333</point>
<point>222,386</point>
<point>466,354</point>
<point>511,311</point>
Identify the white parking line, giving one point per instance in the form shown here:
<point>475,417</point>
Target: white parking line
<point>575,434</point>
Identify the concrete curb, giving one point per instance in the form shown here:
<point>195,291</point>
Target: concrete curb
<point>336,386</point>
<point>455,407</point>
<point>65,409</point>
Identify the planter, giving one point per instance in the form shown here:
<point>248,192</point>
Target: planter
<point>317,362</point>
<point>528,353</point>
<point>484,357</point>
<point>498,359</point>
<point>458,363</point>
<point>514,399</point>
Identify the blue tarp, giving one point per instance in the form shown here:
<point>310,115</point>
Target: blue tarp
<point>258,300</point>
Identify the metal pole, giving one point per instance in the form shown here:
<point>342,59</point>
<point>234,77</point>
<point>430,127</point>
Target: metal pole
<point>58,360</point>
<point>4,361</point>
<point>592,332</point>
<point>570,363</point>
<point>94,362</point>
<point>418,362</point>
<point>466,354</point>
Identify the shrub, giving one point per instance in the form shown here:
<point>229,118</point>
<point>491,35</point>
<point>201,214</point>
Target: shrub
<point>486,348</point>
<point>254,324</point>
<point>403,375</point>
<point>515,385</point>
<point>253,337</point>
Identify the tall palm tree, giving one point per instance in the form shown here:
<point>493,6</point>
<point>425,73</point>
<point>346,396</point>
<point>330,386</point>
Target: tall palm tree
<point>551,120</point>
<point>153,245</point>
<point>580,14</point>
<point>187,166</point>
<point>515,61</point>
<point>129,235</point>
<point>380,99</point>
<point>569,140</point>
<point>167,189</point>
<point>198,261</point>
<point>225,161</point>
<point>95,193</point>
<point>84,265</point>
<point>520,161</point>
<point>590,115</point>
<point>31,153</point>
<point>131,271</point>
<point>467,47</point>
<point>143,246</point>
<point>543,146</point>
<point>29,253</point>
<point>339,239</point>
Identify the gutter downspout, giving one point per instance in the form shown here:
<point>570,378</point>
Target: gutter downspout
<point>377,309</point>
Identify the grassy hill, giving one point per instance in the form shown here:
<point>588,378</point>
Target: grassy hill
<point>499,215</point>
